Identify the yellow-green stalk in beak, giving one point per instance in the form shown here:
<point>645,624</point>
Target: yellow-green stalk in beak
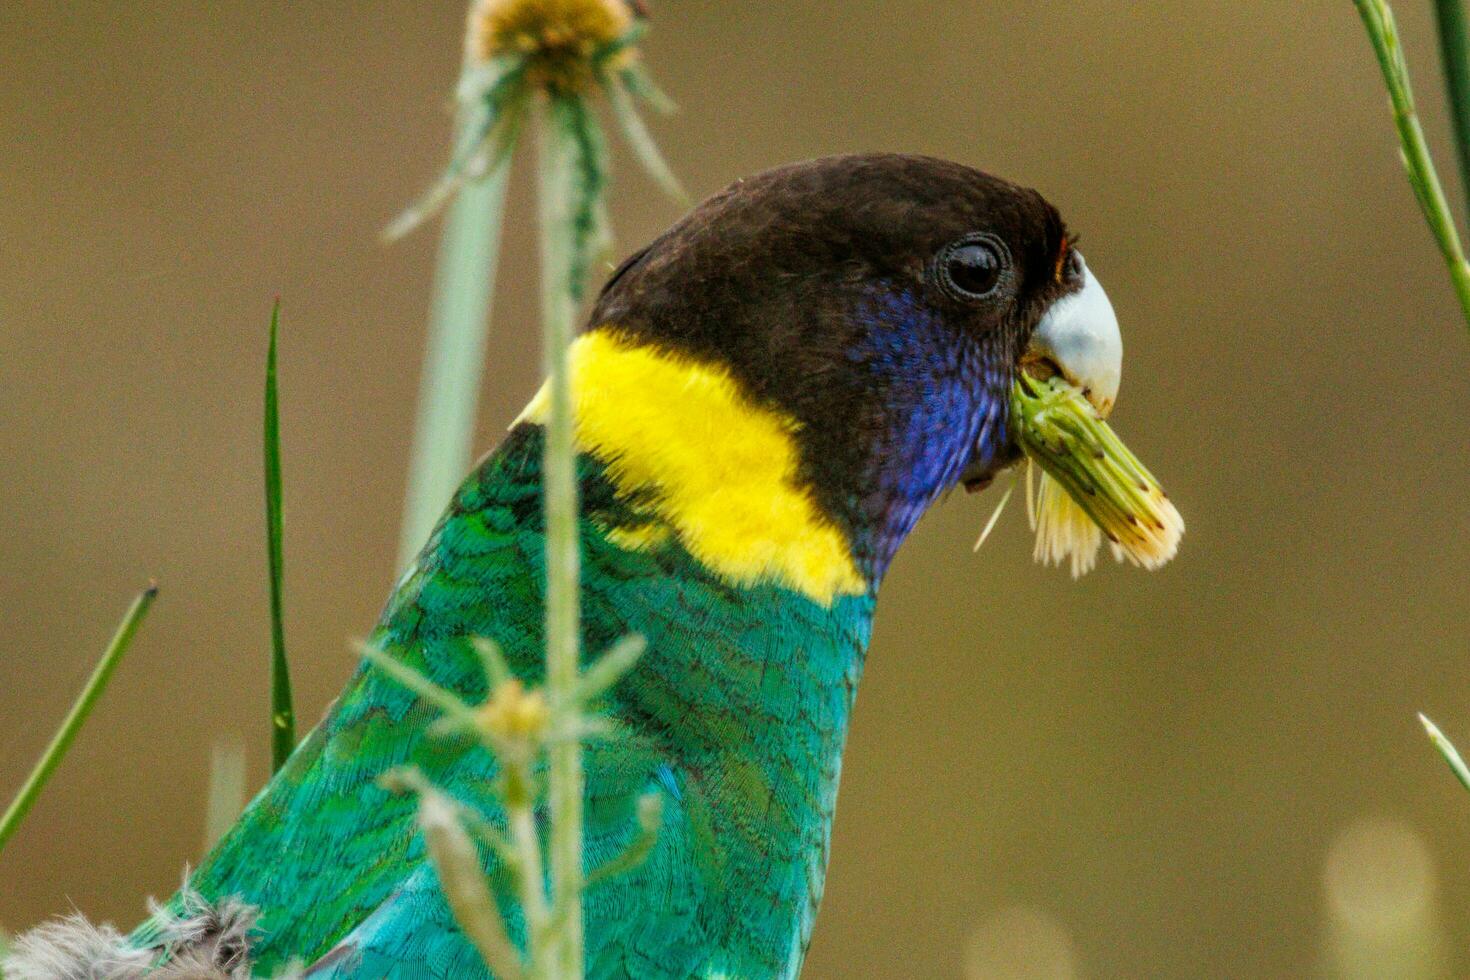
<point>1091,484</point>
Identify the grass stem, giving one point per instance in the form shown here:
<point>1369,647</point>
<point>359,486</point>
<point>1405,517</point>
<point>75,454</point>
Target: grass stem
<point>1447,750</point>
<point>459,323</point>
<point>563,560</point>
<point>283,714</point>
<point>77,716</point>
<point>1383,33</point>
<point>1450,21</point>
<point>225,800</point>
<point>457,862</point>
<point>508,77</point>
<point>520,818</point>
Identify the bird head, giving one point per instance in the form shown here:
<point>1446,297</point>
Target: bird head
<point>874,312</point>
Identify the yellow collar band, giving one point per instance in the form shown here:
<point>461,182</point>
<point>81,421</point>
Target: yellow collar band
<point>722,471</point>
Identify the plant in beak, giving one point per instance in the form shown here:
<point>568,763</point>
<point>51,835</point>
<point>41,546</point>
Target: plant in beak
<point>1091,485</point>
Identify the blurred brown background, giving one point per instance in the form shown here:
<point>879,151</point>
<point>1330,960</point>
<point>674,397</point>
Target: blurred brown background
<point>1135,775</point>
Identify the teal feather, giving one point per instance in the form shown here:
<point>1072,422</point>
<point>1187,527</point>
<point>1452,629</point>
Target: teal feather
<point>735,717</point>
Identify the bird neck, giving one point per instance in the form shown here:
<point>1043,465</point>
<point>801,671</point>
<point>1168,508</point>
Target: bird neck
<point>698,461</point>
<point>936,405</point>
<point>760,495</point>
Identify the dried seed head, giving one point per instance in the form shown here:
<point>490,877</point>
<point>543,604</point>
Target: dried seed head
<point>514,714</point>
<point>1091,484</point>
<point>1063,529</point>
<point>558,38</point>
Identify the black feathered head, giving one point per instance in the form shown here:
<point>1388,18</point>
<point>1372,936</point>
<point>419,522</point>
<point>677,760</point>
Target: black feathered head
<point>882,304</point>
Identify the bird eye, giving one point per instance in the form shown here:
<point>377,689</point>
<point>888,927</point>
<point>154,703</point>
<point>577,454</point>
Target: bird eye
<point>973,267</point>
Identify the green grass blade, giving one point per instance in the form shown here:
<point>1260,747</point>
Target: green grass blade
<point>457,864</point>
<point>1447,749</point>
<point>77,716</point>
<point>635,131</point>
<point>1383,33</point>
<point>569,186</point>
<point>226,799</point>
<point>1450,19</point>
<point>610,668</point>
<point>442,698</point>
<point>583,182</point>
<point>283,715</point>
<point>459,323</point>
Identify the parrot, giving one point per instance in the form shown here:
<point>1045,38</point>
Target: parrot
<point>767,398</point>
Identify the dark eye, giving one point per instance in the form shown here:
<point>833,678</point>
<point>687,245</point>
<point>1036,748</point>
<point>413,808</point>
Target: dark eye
<point>974,267</point>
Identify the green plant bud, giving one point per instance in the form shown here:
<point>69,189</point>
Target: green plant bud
<point>1091,485</point>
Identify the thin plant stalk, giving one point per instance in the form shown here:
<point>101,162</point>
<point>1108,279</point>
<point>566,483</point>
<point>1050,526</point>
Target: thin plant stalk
<point>459,321</point>
<point>1449,16</point>
<point>1451,26</point>
<point>518,58</point>
<point>225,800</point>
<point>1383,33</point>
<point>520,819</point>
<point>283,713</point>
<point>77,716</point>
<point>1447,750</point>
<point>457,862</point>
<point>635,131</point>
<point>563,559</point>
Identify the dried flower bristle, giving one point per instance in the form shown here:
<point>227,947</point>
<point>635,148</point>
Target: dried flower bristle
<point>1063,529</point>
<point>1091,484</point>
<point>558,38</point>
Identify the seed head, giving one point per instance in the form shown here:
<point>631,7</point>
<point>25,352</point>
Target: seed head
<point>558,38</point>
<point>514,714</point>
<point>1091,485</point>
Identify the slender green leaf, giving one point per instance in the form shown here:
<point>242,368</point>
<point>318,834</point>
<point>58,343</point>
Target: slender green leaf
<point>80,710</point>
<point>609,668</point>
<point>1447,750</point>
<point>489,129</point>
<point>459,324</point>
<point>642,86</point>
<point>283,714</point>
<point>1450,19</point>
<point>568,190</point>
<point>226,799</point>
<point>497,671</point>
<point>441,697</point>
<point>492,837</point>
<point>411,779</point>
<point>457,864</point>
<point>635,131</point>
<point>1383,33</point>
<point>629,39</point>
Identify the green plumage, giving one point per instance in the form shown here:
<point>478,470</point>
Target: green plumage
<point>842,303</point>
<point>735,716</point>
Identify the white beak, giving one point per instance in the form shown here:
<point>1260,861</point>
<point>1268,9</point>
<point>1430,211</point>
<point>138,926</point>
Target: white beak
<point>1080,335</point>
